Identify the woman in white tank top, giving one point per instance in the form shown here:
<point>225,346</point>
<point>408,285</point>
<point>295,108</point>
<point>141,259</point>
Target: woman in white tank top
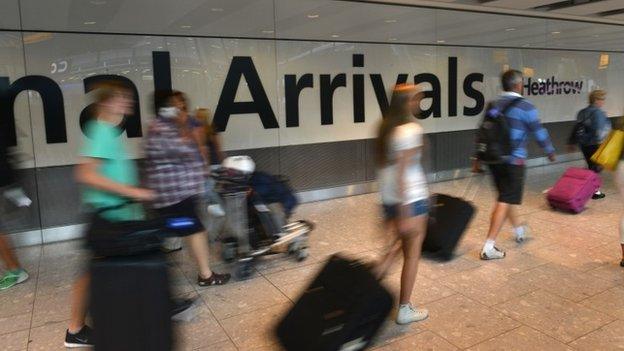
<point>404,193</point>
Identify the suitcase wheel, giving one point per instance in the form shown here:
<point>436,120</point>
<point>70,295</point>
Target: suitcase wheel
<point>229,251</point>
<point>302,255</point>
<point>244,269</point>
<point>298,250</point>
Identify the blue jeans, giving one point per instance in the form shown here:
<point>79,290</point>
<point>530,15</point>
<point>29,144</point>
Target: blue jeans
<point>417,208</point>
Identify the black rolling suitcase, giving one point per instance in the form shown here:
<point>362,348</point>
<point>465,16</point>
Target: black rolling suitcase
<point>131,303</point>
<point>342,309</point>
<point>448,220</point>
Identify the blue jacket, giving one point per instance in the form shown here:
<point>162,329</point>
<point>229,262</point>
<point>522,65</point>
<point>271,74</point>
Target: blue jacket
<point>523,120</point>
<point>597,123</point>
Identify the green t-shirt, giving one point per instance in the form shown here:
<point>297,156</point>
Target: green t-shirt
<point>103,142</point>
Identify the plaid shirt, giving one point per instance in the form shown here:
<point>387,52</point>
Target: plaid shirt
<point>175,168</point>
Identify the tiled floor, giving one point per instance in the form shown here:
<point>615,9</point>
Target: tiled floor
<point>561,290</point>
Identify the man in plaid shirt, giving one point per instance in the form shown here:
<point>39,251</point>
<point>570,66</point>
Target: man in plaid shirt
<point>176,172</point>
<point>175,168</point>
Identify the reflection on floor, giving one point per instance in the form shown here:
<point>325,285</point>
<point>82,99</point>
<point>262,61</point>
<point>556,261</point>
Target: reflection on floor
<point>561,290</point>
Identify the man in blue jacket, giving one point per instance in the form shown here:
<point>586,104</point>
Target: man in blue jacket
<point>522,119</point>
<point>596,128</point>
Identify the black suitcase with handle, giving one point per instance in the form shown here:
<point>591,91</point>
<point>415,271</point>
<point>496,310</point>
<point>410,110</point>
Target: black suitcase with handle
<point>131,303</point>
<point>448,219</point>
<point>342,309</point>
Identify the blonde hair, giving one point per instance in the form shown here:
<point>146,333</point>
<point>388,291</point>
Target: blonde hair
<point>107,90</point>
<point>596,95</point>
<point>203,115</point>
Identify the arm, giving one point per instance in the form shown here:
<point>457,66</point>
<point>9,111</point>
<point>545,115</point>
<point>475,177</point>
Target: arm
<point>540,133</point>
<point>199,134</point>
<point>216,142</point>
<point>87,173</point>
<point>597,122</point>
<point>402,163</point>
<point>407,140</point>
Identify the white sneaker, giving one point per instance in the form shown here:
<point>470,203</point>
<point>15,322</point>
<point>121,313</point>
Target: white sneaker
<point>521,237</point>
<point>493,254</point>
<point>408,314</point>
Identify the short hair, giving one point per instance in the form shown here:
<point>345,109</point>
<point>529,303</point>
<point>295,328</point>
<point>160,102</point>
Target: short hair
<point>107,90</point>
<point>596,95</point>
<point>162,98</point>
<point>510,79</point>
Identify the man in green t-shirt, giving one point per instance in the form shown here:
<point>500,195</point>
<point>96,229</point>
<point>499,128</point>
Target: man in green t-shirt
<point>104,146</point>
<point>109,178</point>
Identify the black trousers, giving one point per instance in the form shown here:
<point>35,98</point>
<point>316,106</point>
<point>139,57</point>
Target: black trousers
<point>588,152</point>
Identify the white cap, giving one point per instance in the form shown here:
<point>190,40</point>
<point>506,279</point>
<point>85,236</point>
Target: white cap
<point>242,164</point>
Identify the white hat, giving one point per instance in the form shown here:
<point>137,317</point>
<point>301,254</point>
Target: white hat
<point>243,164</point>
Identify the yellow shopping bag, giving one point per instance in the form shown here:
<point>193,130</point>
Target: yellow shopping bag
<point>609,153</point>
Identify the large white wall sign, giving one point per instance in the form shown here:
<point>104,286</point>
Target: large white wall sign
<point>200,66</point>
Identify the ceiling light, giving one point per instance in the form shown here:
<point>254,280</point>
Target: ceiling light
<point>509,29</point>
<point>216,9</point>
<point>268,32</point>
<point>335,36</point>
<point>89,22</point>
<point>391,21</point>
<point>185,71</point>
<point>313,16</point>
<point>185,27</point>
<point>555,32</point>
<point>160,47</point>
<point>98,2</point>
<point>526,45</point>
<point>392,39</point>
<point>441,41</point>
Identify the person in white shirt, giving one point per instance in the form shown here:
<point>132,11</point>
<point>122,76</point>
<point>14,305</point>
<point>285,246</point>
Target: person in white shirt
<point>404,193</point>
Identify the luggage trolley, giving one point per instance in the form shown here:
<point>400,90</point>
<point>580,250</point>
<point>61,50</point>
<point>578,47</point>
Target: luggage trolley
<point>252,228</point>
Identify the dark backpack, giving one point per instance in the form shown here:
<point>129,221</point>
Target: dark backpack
<point>494,135</point>
<point>582,133</point>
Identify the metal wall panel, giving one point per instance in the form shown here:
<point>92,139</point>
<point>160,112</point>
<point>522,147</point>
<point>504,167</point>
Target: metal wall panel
<point>324,165</point>
<point>59,196</point>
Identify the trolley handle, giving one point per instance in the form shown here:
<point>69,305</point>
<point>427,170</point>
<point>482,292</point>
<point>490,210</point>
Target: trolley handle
<point>125,203</point>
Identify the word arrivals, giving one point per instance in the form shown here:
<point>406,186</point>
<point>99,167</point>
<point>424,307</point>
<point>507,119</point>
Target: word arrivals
<point>244,67</point>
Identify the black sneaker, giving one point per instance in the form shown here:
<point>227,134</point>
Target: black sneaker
<point>83,338</point>
<point>598,196</point>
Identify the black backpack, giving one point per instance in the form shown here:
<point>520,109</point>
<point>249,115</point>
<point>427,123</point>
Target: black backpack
<point>582,133</point>
<point>494,135</point>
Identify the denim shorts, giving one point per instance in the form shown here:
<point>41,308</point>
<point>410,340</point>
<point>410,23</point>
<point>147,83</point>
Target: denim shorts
<point>417,208</point>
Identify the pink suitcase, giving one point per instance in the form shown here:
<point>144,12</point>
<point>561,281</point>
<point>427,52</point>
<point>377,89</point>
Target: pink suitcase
<point>573,190</point>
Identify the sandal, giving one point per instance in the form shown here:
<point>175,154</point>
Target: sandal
<point>622,263</point>
<point>214,279</point>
